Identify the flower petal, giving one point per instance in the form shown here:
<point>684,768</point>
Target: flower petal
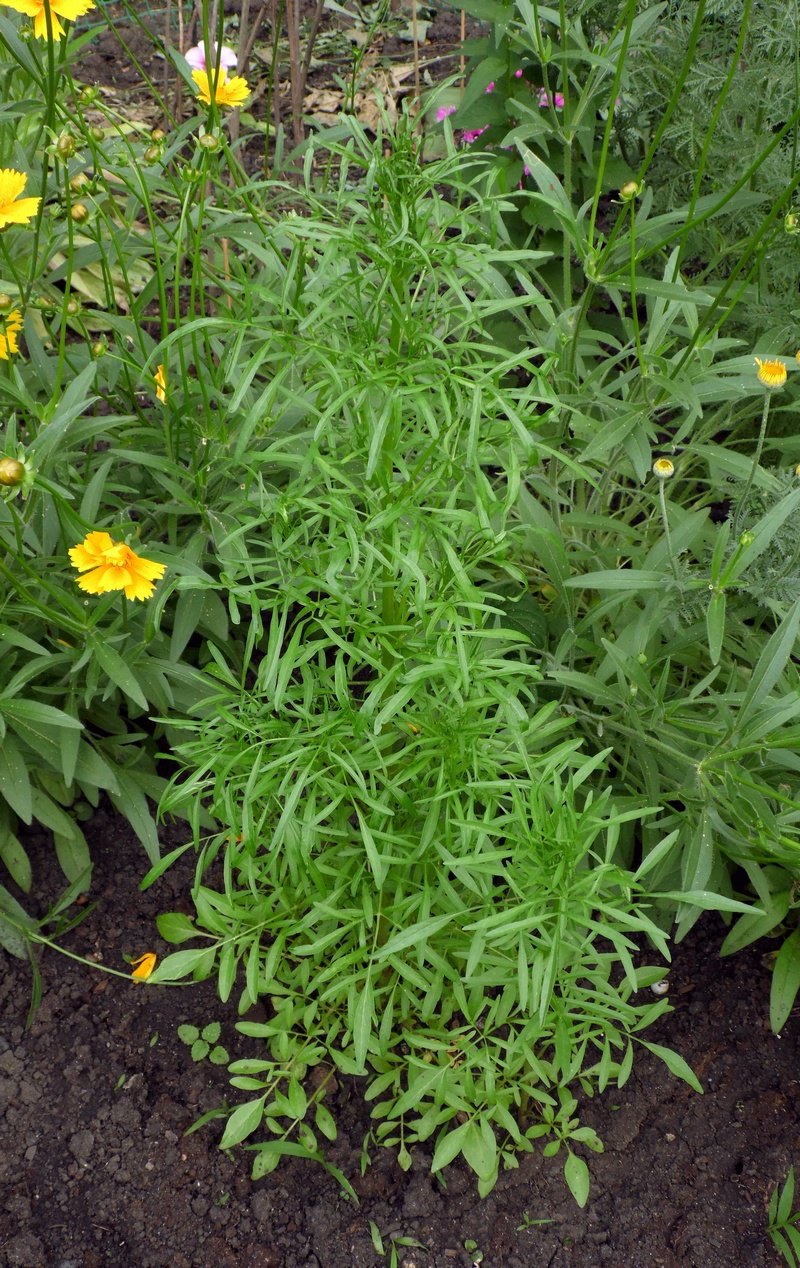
<point>143,966</point>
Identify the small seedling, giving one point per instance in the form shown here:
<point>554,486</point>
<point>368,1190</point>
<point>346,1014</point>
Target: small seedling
<point>782,1226</point>
<point>201,1043</point>
<point>527,1222</point>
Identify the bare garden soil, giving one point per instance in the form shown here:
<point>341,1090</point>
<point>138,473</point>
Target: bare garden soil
<point>95,1098</point>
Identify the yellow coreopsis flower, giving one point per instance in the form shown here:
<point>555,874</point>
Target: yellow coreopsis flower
<point>161,383</point>
<point>771,373</point>
<point>13,209</point>
<point>37,9</point>
<point>143,967</point>
<point>113,565</point>
<point>227,92</point>
<point>8,336</point>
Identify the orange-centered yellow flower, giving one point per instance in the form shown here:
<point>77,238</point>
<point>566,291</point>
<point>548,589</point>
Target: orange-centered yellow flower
<point>13,209</point>
<point>227,92</point>
<point>114,566</point>
<point>143,967</point>
<point>161,383</point>
<point>8,336</point>
<point>36,9</point>
<point>771,373</point>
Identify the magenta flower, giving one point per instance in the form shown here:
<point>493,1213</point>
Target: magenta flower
<point>469,136</point>
<point>544,99</point>
<point>518,73</point>
<point>196,57</point>
<point>443,112</point>
<point>490,87</point>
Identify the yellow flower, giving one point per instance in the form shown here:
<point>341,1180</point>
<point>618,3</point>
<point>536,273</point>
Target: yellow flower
<point>227,92</point>
<point>13,209</point>
<point>36,9</point>
<point>114,566</point>
<point>143,967</point>
<point>771,373</point>
<point>8,337</point>
<point>161,383</point>
<point>663,468</point>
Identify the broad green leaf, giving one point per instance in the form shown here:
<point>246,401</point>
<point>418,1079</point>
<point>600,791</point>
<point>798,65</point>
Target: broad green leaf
<point>576,1174</point>
<point>244,1120</point>
<point>15,784</point>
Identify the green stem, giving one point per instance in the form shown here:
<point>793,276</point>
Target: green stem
<point>756,458</point>
<point>662,497</point>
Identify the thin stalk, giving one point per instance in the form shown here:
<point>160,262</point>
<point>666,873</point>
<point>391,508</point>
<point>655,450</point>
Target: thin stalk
<point>756,459</point>
<point>634,309</point>
<point>662,497</point>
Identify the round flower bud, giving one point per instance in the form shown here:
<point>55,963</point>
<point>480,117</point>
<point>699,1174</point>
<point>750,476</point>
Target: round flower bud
<point>65,145</point>
<point>641,658</point>
<point>89,94</point>
<point>746,539</point>
<point>209,142</point>
<point>98,134</point>
<point>157,134</point>
<point>6,303</point>
<point>79,182</point>
<point>191,174</point>
<point>631,189</point>
<point>99,348</point>
<point>152,154</point>
<point>11,472</point>
<point>79,212</point>
<point>73,306</point>
<point>663,468</point>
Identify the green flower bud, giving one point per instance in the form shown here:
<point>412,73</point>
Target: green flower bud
<point>12,472</point>
<point>65,145</point>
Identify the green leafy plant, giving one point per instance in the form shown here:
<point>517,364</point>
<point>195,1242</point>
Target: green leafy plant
<point>203,1043</point>
<point>782,1226</point>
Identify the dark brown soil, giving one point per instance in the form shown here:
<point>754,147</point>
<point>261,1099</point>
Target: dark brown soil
<point>96,1172</point>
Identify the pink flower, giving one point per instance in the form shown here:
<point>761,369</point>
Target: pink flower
<point>518,73</point>
<point>490,87</point>
<point>196,57</point>
<point>544,99</point>
<point>443,112</point>
<point>469,136</point>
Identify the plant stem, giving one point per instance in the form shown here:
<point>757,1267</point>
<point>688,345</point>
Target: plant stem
<point>756,459</point>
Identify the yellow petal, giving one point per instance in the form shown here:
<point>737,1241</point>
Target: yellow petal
<point>29,7</point>
<point>91,551</point>
<point>40,25</point>
<point>201,79</point>
<point>12,183</point>
<point>143,966</point>
<point>71,9</point>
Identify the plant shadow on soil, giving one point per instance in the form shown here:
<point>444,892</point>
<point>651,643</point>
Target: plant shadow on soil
<point>96,1172</point>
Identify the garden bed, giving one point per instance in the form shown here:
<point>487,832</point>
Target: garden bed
<point>96,1096</point>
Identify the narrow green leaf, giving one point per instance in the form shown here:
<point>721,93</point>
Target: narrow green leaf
<point>118,671</point>
<point>785,981</point>
<point>675,1064</point>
